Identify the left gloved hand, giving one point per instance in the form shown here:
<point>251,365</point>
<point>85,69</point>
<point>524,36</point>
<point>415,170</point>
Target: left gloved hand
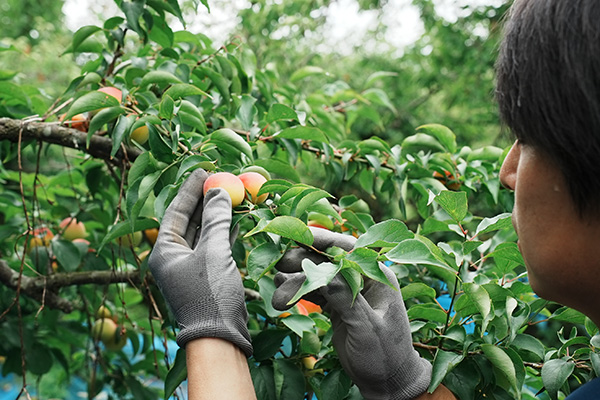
<point>194,268</point>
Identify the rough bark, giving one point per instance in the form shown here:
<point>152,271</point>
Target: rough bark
<point>45,288</point>
<point>53,132</point>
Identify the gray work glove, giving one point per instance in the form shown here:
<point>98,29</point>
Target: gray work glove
<point>372,336</point>
<point>194,269</point>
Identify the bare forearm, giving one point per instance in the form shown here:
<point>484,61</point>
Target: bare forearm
<point>217,369</point>
<point>441,393</point>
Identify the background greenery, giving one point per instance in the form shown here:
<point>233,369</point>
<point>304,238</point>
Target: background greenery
<point>399,146</point>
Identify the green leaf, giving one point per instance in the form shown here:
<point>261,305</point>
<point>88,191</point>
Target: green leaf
<point>159,77</point>
<point>335,385</point>
<point>299,323</point>
<point>595,359</point>
<point>414,251</point>
<point>316,276</point>
<point>384,234</point>
<point>428,312</point>
<point>138,193</point>
<point>124,228</point>
<point>180,90</point>
<point>158,146</point>
<point>454,203</point>
<point>554,375</point>
<point>274,186</point>
<point>509,251</point>
<point>226,136</point>
<point>288,227</point>
<point>89,102</point>
<point>289,380</point>
<point>307,71</point>
<point>194,162</point>
<point>39,359</point>
<point>365,261</point>
<point>481,298</point>
<point>379,97</point>
<point>101,118</point>
<point>529,344</point>
<point>220,82</point>
<point>278,167</point>
<point>122,126</point>
<point>262,378</point>
<point>310,343</point>
<point>247,112</point>
<point>377,76</point>
<point>166,107</point>
<point>442,133</point>
<point>267,343</point>
<point>133,11</point>
<point>7,74</point>
<point>353,278</point>
<point>304,133</point>
<point>421,142</point>
<point>261,259</point>
<point>417,289</point>
<point>83,33</point>
<point>161,33</point>
<point>503,363</point>
<point>280,112</point>
<point>443,363</point>
<point>487,153</point>
<point>67,254</point>
<point>499,222</point>
<point>303,202</point>
<point>176,375</point>
<point>566,314</point>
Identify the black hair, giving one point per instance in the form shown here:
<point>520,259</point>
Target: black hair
<point>548,87</point>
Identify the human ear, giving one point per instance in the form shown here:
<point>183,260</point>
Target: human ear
<point>508,171</point>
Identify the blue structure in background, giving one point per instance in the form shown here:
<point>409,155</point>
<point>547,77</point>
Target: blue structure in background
<point>10,385</point>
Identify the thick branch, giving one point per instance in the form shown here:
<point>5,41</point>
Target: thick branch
<point>45,288</point>
<point>10,278</point>
<point>100,146</point>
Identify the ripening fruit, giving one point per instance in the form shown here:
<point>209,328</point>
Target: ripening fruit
<point>103,312</point>
<point>41,238</point>
<point>309,362</point>
<point>117,341</point>
<point>253,181</point>
<point>104,329</point>
<point>448,180</point>
<point>112,91</point>
<point>310,307</point>
<point>72,229</point>
<point>151,235</point>
<point>131,240</point>
<point>228,181</point>
<point>140,134</point>
<point>144,254</point>
<point>78,122</point>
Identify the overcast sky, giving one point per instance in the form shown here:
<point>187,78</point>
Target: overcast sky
<point>345,22</point>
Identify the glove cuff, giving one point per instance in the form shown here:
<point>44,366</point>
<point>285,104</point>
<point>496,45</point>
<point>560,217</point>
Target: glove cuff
<point>233,329</point>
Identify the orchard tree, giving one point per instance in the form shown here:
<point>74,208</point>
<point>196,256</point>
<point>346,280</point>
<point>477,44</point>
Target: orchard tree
<point>86,178</point>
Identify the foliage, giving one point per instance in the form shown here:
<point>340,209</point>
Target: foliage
<point>429,207</point>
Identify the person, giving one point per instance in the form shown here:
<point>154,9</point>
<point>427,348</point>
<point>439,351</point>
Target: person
<point>548,92</point>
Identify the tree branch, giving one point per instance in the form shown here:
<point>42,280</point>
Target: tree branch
<point>51,132</point>
<point>45,288</point>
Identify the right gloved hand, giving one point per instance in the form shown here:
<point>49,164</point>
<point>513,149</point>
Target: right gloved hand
<point>371,335</point>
